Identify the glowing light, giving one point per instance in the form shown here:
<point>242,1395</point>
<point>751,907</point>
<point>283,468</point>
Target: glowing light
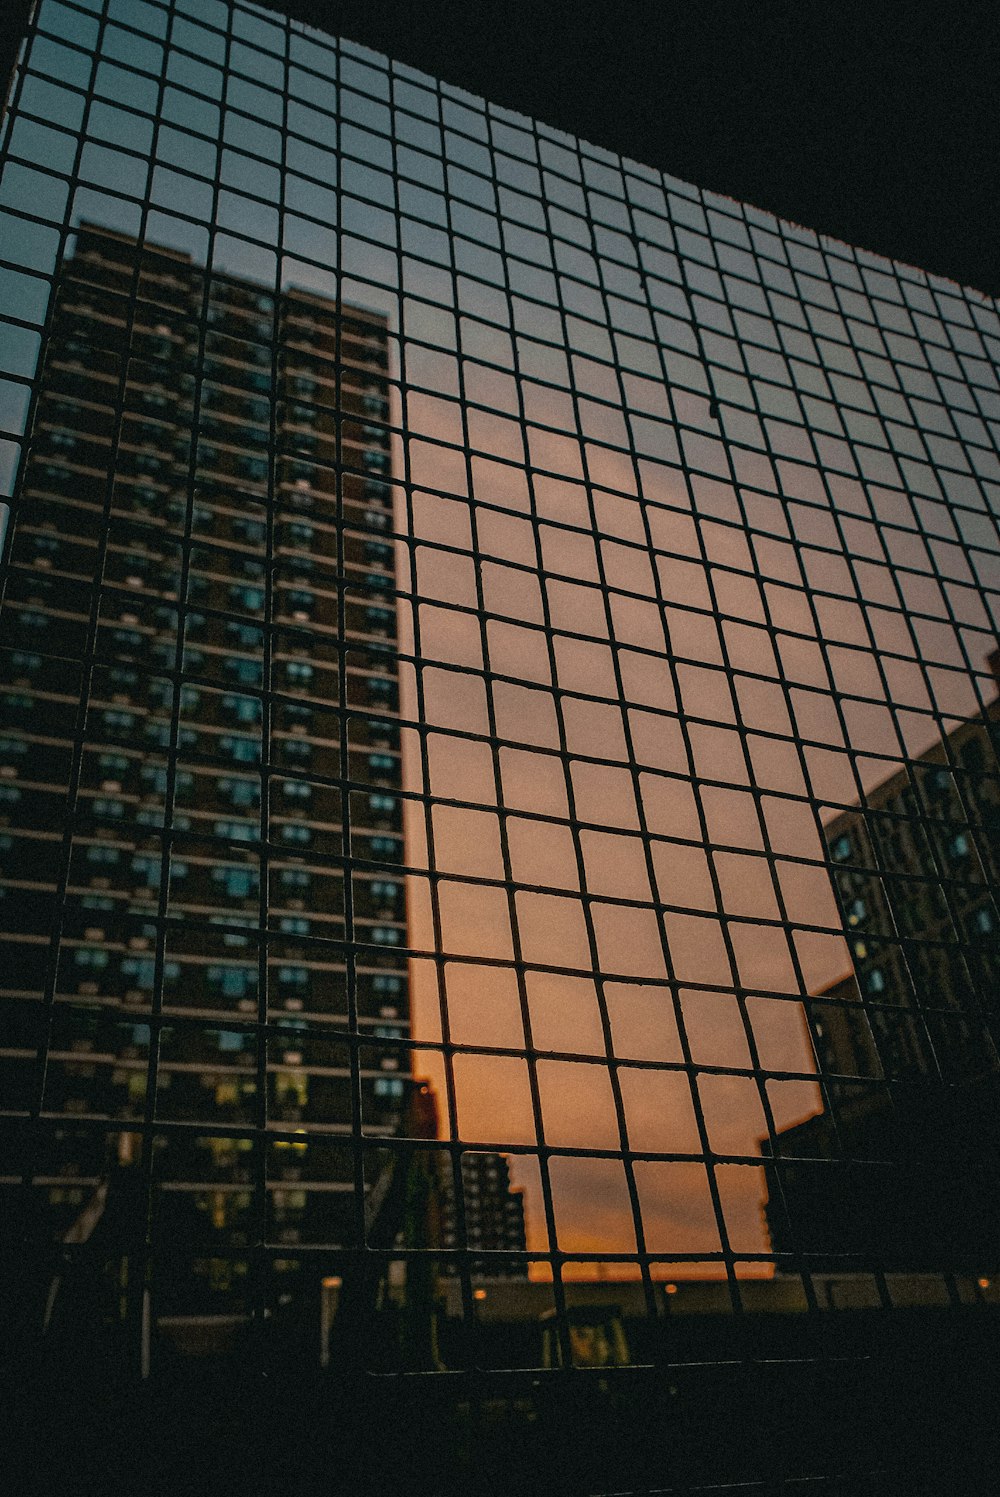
<point>671,1288</point>
<point>983,1283</point>
<point>479,1294</point>
<point>333,1282</point>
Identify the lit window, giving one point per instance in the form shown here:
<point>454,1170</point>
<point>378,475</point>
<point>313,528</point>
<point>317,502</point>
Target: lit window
<point>118,722</point>
<point>146,867</point>
<point>246,635</point>
<point>384,892</point>
<point>247,597</point>
<point>93,958</point>
<point>297,790</point>
<point>243,750</point>
<point>112,810</point>
<point>232,982</point>
<point>101,856</point>
<point>244,709</point>
<point>238,882</point>
<point>237,831</point>
<point>243,793</point>
<point>387,982</point>
<point>247,672</point>
<point>386,847</point>
<point>141,971</point>
<point>378,554</point>
<point>294,977</point>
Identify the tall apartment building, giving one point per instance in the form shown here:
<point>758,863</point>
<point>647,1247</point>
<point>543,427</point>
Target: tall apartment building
<point>199,721</point>
<point>913,875</point>
<point>494,1216</point>
<point>913,872</point>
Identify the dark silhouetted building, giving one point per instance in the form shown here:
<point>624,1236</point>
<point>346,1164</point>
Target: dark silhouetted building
<point>199,717</point>
<point>902,1166</point>
<point>494,1216</point>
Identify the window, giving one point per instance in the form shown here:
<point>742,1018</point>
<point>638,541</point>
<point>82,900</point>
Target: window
<point>246,672</point>
<point>251,598</point>
<point>237,882</point>
<point>254,532</point>
<point>232,982</point>
<point>117,721</point>
<point>102,856</point>
<point>297,790</point>
<point>243,709</point>
<point>386,847</point>
<point>140,972</point>
<point>243,750</point>
<point>384,892</point>
<point>92,958</point>
<point>388,1086</point>
<point>147,868</point>
<point>247,636</point>
<point>237,831</point>
<point>105,808</point>
<point>242,793</point>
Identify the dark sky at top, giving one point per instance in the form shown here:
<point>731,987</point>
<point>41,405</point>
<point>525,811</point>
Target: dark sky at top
<point>872,120</point>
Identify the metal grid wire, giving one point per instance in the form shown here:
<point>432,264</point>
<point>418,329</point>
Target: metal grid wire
<point>403,496</point>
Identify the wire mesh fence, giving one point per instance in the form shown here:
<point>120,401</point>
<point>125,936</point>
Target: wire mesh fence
<point>498,793</point>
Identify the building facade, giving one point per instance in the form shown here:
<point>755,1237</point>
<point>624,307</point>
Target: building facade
<point>494,1217</point>
<point>908,1041</point>
<point>200,600</point>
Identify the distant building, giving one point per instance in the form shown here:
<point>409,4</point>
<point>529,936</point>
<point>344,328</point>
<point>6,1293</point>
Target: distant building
<point>201,583</point>
<point>493,1207</point>
<point>494,1216</point>
<point>902,1167</point>
<point>913,872</point>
